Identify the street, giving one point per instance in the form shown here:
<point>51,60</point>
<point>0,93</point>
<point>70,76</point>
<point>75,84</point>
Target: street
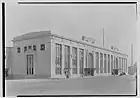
<point>96,85</point>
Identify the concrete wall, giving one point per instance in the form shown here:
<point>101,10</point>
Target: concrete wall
<point>42,60</point>
<point>90,49</point>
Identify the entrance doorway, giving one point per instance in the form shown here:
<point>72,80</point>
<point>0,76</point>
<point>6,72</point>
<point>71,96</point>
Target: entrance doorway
<point>30,64</point>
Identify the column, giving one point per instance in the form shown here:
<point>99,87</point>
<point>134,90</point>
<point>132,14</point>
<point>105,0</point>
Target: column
<point>53,56</point>
<point>85,58</point>
<point>63,59</point>
<point>78,66</point>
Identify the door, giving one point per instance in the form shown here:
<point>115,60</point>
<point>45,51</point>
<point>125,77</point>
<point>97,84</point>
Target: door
<point>30,67</point>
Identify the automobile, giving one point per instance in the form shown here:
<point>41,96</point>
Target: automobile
<point>123,73</point>
<point>115,71</point>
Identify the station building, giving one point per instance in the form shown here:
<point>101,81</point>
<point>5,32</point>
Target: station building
<point>43,54</point>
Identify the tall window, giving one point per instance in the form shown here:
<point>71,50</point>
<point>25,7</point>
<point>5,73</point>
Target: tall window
<point>122,64</point>
<point>101,62</point>
<point>116,62</point>
<point>119,63</point>
<point>58,59</point>
<point>74,60</point>
<point>126,65</point>
<point>105,66</point>
<point>97,62</point>
<point>81,60</point>
<point>112,63</point>
<point>108,63</point>
<point>67,57</point>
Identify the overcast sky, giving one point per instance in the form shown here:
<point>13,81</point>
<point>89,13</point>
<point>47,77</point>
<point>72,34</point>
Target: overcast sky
<point>74,21</point>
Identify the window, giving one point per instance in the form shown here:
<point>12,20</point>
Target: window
<point>97,62</point>
<point>105,66</point>
<point>34,47</point>
<point>58,59</point>
<point>111,63</point>
<point>42,47</point>
<point>25,48</point>
<point>30,47</point>
<point>81,60</point>
<point>108,63</point>
<point>101,62</point>
<point>74,60</point>
<point>18,50</point>
<point>67,57</point>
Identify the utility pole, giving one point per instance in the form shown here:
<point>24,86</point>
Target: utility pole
<point>131,54</point>
<point>103,37</point>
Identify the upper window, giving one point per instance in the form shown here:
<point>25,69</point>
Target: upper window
<point>18,50</point>
<point>34,47</point>
<point>42,47</point>
<point>25,48</point>
<point>30,47</point>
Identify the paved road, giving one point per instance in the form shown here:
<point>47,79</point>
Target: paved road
<point>95,85</point>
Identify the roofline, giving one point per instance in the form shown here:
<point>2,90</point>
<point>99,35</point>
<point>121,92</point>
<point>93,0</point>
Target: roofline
<point>8,47</point>
<point>87,44</point>
<point>51,34</point>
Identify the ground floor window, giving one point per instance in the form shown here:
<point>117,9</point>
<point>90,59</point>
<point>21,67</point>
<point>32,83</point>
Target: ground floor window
<point>101,62</point>
<point>81,60</point>
<point>74,60</point>
<point>67,57</point>
<point>105,66</point>
<point>58,59</point>
<point>112,63</point>
<point>108,63</point>
<point>97,62</point>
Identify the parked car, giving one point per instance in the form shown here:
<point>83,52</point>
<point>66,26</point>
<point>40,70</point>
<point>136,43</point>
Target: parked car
<point>115,71</point>
<point>123,73</point>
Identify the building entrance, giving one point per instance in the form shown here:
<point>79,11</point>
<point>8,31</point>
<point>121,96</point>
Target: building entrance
<point>30,64</point>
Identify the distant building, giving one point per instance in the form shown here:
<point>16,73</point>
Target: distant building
<point>132,69</point>
<point>43,54</point>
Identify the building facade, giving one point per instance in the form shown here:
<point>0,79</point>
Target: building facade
<point>43,54</point>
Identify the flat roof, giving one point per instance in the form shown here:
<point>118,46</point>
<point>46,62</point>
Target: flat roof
<point>32,35</point>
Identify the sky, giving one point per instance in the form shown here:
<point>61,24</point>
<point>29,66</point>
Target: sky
<point>75,21</point>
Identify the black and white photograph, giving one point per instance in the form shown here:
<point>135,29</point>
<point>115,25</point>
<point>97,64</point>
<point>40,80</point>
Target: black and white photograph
<point>70,48</point>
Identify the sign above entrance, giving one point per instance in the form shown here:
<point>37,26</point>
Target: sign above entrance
<point>88,39</point>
